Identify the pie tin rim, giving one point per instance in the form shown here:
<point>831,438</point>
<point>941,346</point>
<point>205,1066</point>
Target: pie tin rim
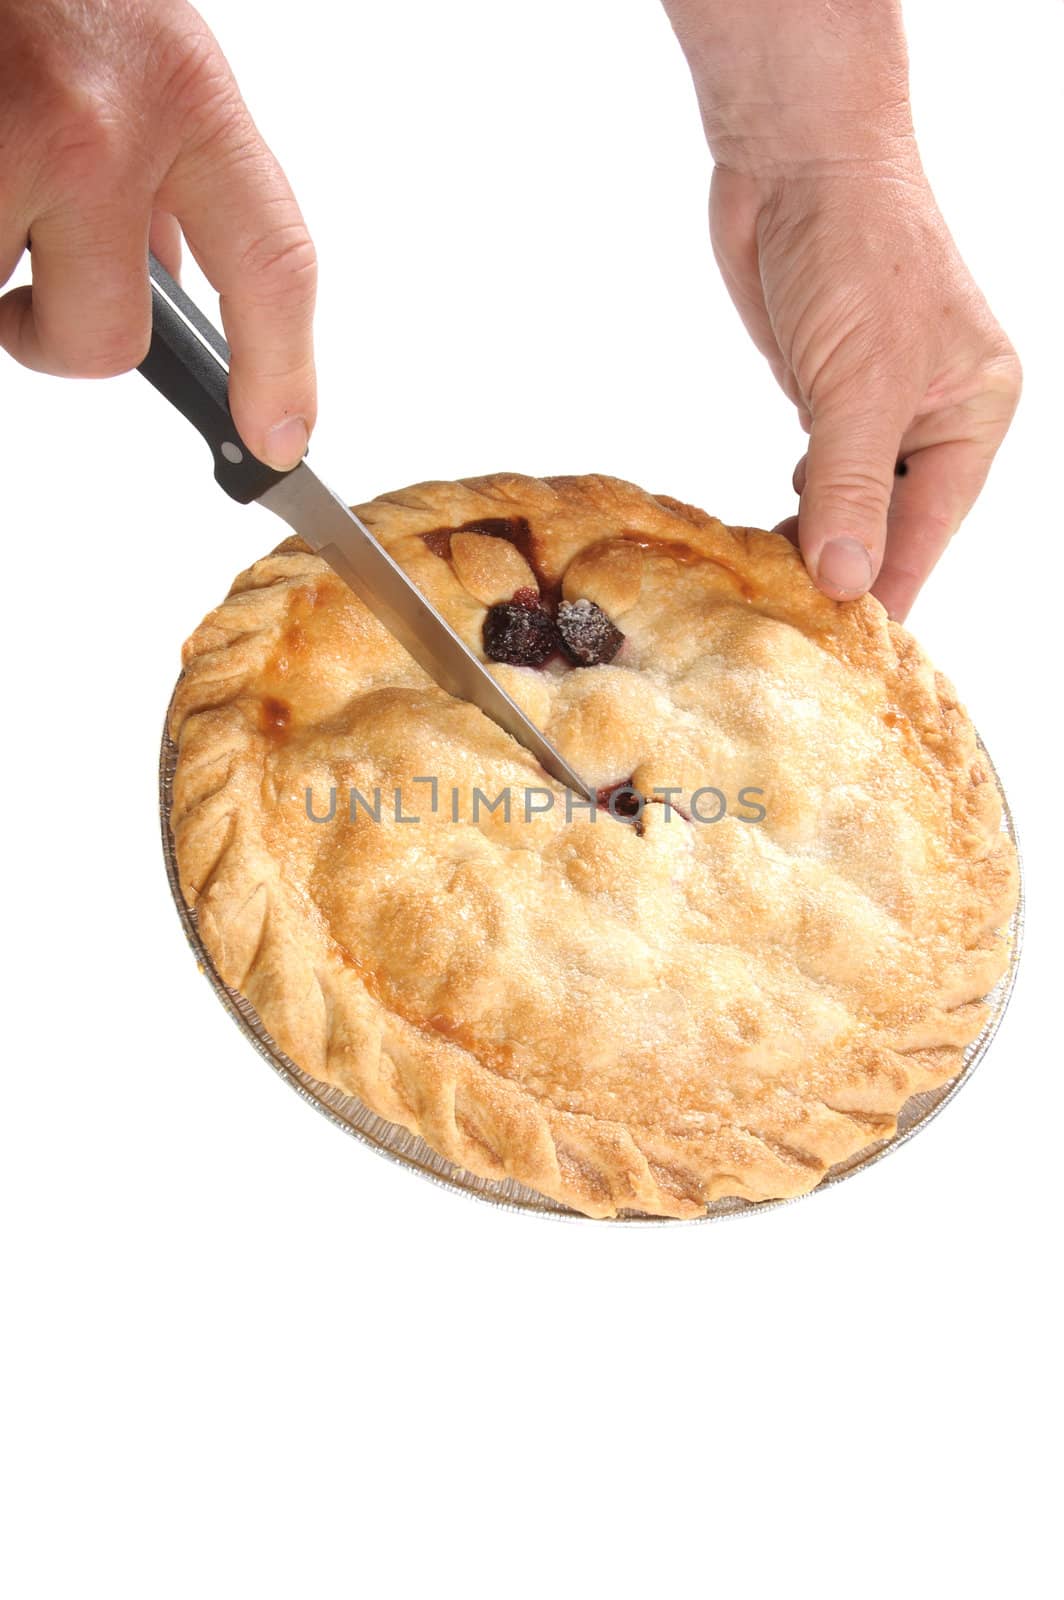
<point>409,1150</point>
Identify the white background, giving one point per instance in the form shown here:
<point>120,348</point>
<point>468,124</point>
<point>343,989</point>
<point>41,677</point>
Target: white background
<point>242,1354</point>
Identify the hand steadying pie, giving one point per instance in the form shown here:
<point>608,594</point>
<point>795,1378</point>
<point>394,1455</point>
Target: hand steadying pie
<point>848,281</point>
<point>852,287</point>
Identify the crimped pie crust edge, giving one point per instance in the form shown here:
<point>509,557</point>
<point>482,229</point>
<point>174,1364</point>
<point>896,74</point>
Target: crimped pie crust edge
<point>265,943</point>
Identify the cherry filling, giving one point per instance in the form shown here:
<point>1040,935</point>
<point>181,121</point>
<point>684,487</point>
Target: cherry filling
<point>515,529</point>
<point>439,542</point>
<point>535,624</point>
<point>621,800</point>
<point>624,802</point>
<point>521,634</point>
<point>588,636</point>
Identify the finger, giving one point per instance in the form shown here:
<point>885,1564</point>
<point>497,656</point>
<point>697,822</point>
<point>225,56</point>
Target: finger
<point>934,489</point>
<point>88,312</point>
<point>164,239</point>
<point>798,475</point>
<point>243,226</point>
<point>849,477</point>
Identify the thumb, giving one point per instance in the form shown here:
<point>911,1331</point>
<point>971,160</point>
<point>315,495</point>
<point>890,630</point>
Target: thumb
<point>849,478</point>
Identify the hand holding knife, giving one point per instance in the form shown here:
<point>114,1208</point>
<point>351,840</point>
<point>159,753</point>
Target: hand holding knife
<point>188,362</point>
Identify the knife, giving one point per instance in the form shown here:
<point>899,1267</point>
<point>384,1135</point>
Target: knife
<point>188,362</point>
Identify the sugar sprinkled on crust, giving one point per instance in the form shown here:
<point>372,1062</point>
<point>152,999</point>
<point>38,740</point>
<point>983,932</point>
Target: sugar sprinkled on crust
<point>622,1017</point>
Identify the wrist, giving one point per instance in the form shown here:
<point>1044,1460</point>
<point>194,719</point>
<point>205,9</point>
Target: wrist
<point>793,86</point>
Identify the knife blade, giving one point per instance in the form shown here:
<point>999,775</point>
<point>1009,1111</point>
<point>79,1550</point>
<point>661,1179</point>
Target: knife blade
<point>188,362</point>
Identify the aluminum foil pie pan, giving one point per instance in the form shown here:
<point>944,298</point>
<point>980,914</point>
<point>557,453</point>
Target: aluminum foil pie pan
<point>398,1144</point>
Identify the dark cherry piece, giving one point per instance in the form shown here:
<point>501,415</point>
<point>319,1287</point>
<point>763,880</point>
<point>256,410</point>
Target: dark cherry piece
<point>523,635</point>
<point>588,636</point>
<point>527,597</point>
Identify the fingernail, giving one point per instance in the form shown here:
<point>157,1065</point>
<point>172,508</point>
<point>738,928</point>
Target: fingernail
<point>845,565</point>
<point>286,444</point>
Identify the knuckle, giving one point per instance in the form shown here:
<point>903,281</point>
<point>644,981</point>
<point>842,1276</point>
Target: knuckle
<point>52,85</point>
<point>853,491</point>
<point>865,375</point>
<point>87,144</point>
<point>937,524</point>
<point>193,83</point>
<point>281,264</point>
<point>1006,374</point>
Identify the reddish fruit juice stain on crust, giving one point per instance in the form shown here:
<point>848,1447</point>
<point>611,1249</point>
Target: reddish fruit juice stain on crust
<point>275,716</point>
<point>514,529</point>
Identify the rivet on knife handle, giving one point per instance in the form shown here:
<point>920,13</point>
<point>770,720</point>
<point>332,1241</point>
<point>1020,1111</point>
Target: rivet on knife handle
<point>188,362</point>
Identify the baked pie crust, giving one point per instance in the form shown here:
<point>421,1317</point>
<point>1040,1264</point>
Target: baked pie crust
<point>645,1013</point>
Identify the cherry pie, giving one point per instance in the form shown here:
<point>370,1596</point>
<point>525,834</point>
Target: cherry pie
<point>779,924</point>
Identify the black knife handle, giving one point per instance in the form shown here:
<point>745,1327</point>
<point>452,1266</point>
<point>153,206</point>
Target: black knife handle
<point>188,362</point>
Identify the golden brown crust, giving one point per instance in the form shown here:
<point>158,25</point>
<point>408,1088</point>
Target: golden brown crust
<point>622,1019</point>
